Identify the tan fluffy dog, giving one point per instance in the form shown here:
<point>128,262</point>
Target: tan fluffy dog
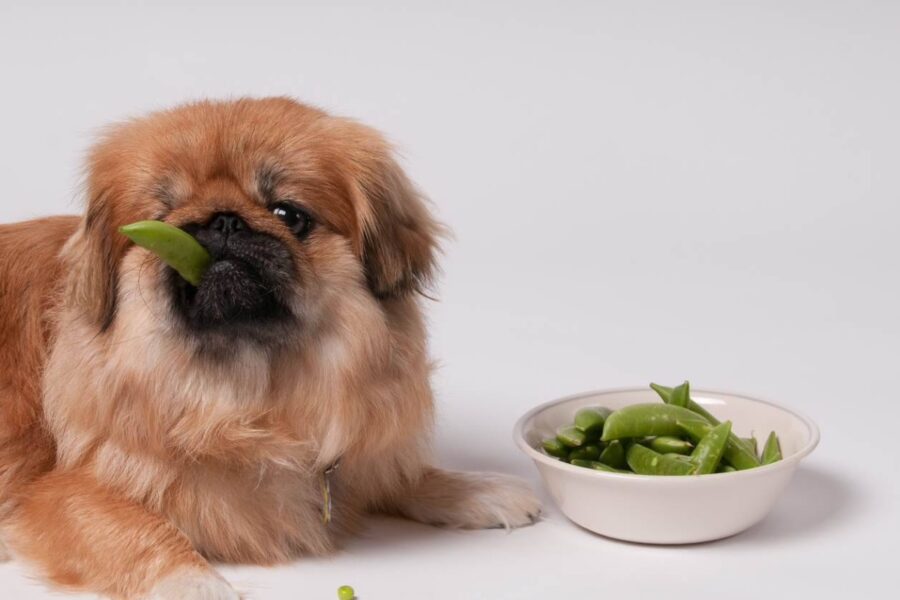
<point>147,426</point>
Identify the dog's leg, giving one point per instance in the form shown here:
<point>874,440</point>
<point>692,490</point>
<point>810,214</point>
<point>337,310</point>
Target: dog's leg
<point>81,535</point>
<point>469,500</point>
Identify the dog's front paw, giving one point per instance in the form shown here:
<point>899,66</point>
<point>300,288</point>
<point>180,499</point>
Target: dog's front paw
<point>499,501</point>
<point>473,501</point>
<point>193,584</point>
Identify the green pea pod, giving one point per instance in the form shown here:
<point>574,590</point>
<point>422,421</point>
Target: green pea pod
<point>172,245</point>
<point>587,452</point>
<point>614,455</point>
<point>590,420</point>
<point>667,444</point>
<point>772,450</point>
<point>646,420</point>
<point>752,444</point>
<point>736,453</point>
<point>709,450</point>
<point>725,469</point>
<point>571,437</point>
<point>554,447</point>
<point>746,458</point>
<point>596,465</point>
<point>680,457</point>
<point>681,395</point>
<point>645,461</point>
<point>664,392</point>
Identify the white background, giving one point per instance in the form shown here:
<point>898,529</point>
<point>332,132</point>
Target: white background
<point>639,191</point>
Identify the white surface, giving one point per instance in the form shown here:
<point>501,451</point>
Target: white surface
<point>668,510</point>
<point>640,191</point>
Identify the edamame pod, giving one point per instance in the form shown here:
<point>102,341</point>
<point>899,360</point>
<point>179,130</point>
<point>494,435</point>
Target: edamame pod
<point>596,465</point>
<point>645,420</point>
<point>614,455</point>
<point>667,444</point>
<point>645,461</point>
<point>772,450</point>
<point>554,447</point>
<point>571,436</point>
<point>709,450</point>
<point>590,420</point>
<point>172,245</point>
<point>736,453</point>
<point>587,452</point>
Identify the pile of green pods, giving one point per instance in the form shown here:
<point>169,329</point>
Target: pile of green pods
<point>678,437</point>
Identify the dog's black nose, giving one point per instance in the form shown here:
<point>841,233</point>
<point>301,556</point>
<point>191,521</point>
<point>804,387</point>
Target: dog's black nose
<point>227,223</point>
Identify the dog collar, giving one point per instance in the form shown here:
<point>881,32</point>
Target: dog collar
<point>326,491</point>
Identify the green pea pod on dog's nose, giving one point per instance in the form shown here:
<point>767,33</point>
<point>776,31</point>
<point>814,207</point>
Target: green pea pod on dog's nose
<point>175,247</point>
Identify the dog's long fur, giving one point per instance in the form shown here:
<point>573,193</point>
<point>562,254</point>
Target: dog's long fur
<point>133,450</point>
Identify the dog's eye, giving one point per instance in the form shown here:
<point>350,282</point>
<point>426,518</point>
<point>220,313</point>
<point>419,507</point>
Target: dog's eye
<point>297,220</point>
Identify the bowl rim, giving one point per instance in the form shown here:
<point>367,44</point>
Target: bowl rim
<point>537,456</point>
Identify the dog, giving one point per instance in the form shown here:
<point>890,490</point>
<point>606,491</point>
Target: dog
<point>149,427</point>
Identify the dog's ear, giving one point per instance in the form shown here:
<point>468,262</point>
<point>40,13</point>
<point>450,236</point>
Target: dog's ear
<point>398,235</point>
<point>97,248</point>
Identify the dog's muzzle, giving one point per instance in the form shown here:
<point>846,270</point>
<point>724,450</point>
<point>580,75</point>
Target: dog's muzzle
<point>247,282</point>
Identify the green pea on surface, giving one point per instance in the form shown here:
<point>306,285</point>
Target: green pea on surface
<point>772,450</point>
<point>345,592</point>
<point>175,247</point>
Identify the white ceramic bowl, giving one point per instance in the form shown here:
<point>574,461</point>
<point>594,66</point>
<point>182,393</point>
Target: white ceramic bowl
<point>667,509</point>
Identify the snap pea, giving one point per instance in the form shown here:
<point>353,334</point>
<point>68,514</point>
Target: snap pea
<point>772,450</point>
<point>645,461</point>
<point>614,455</point>
<point>725,469</point>
<point>645,420</point>
<point>752,444</point>
<point>681,394</point>
<point>571,436</point>
<point>680,457</point>
<point>667,444</point>
<point>668,396</point>
<point>554,447</point>
<point>587,452</point>
<point>736,453</point>
<point>665,392</point>
<point>709,450</point>
<point>596,465</point>
<point>590,420</point>
<point>172,245</point>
